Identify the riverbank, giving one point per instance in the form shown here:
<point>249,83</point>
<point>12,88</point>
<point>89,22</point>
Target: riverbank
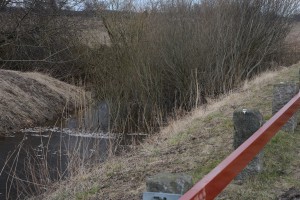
<point>194,145</point>
<point>29,99</point>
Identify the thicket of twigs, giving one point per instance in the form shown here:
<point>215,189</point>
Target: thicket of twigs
<point>174,55</point>
<point>37,39</point>
<point>167,58</point>
<point>162,61</point>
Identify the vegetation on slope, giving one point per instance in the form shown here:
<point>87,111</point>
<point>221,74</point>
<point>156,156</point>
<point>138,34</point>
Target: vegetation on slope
<point>167,57</point>
<point>173,56</point>
<point>28,99</point>
<point>158,64</point>
<point>194,145</point>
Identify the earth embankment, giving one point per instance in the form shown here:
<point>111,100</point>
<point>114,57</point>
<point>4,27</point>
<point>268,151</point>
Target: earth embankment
<point>28,99</point>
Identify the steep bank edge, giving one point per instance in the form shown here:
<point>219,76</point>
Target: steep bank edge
<point>194,145</point>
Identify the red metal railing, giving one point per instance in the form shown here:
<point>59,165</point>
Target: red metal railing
<point>214,182</point>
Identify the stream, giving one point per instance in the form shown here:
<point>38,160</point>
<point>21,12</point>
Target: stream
<point>31,158</point>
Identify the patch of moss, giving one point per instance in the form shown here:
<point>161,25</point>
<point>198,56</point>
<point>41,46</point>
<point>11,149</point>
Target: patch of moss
<point>86,194</point>
<point>178,138</point>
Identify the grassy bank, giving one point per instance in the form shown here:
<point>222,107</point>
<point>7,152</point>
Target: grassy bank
<point>194,145</point>
<point>29,99</point>
<point>175,56</point>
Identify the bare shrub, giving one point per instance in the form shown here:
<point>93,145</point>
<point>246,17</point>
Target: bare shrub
<point>177,53</point>
<point>36,37</point>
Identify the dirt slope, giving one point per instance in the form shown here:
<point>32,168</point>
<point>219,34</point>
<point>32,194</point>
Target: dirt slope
<point>28,99</point>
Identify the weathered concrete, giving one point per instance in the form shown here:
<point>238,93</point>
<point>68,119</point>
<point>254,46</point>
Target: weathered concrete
<point>169,183</point>
<point>246,122</point>
<point>96,117</point>
<point>282,94</point>
<point>100,117</point>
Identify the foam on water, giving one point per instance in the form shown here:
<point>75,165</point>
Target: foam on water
<point>71,132</point>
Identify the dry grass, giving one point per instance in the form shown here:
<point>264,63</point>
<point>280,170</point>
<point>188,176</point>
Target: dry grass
<point>89,30</point>
<point>194,144</point>
<point>292,43</point>
<point>28,99</point>
<point>294,36</point>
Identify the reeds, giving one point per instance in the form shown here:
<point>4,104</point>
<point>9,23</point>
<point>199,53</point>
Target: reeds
<point>33,168</point>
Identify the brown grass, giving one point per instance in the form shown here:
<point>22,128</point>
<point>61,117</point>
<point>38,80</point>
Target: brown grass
<point>294,36</point>
<point>194,145</point>
<point>292,44</point>
<point>28,99</point>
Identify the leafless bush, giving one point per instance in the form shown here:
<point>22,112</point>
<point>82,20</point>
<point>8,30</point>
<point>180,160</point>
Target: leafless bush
<point>36,37</point>
<point>177,53</point>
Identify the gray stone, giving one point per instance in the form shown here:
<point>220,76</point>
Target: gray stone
<point>169,183</point>
<point>72,123</point>
<point>246,122</point>
<point>101,116</point>
<point>282,94</point>
<point>291,194</point>
<point>97,117</point>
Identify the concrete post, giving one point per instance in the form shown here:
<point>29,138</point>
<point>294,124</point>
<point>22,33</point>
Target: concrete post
<point>246,122</point>
<point>97,117</point>
<point>282,94</point>
<point>102,116</point>
<point>167,184</point>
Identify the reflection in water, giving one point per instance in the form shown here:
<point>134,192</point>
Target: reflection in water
<point>94,118</point>
<point>32,159</point>
<point>28,159</point>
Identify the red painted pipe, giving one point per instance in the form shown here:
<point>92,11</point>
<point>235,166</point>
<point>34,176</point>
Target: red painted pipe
<point>214,182</point>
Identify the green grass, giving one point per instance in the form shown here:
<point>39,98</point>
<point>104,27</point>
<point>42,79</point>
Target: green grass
<point>205,169</point>
<point>177,139</point>
<point>88,193</point>
<point>281,158</point>
<point>281,154</point>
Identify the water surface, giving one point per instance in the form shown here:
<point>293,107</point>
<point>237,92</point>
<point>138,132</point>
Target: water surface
<point>45,154</point>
